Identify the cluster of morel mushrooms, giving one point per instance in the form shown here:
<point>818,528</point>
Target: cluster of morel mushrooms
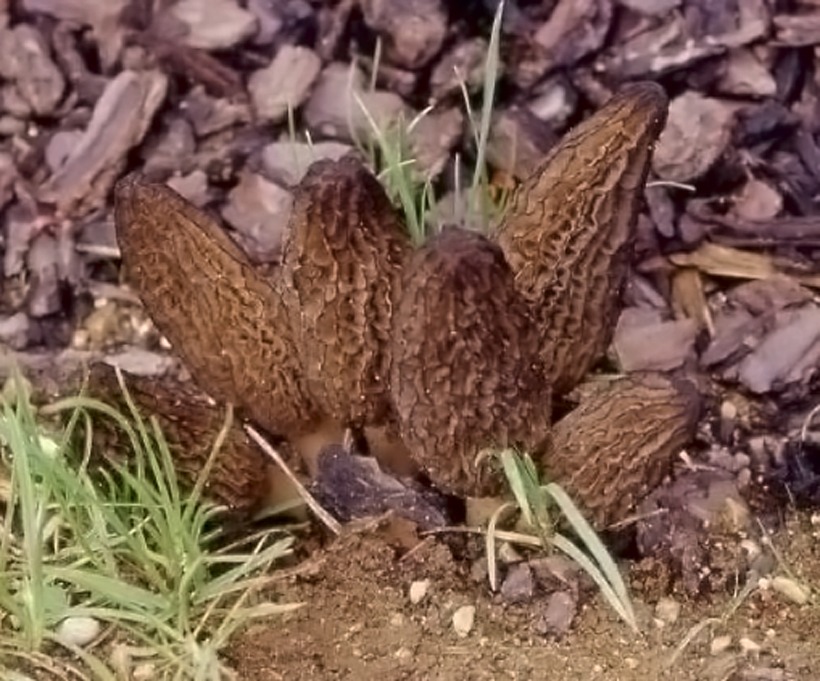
<point>430,355</point>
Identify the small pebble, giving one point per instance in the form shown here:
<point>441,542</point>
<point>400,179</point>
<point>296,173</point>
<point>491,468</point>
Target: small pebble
<point>418,590</point>
<point>720,644</point>
<point>285,83</point>
<point>749,647</point>
<point>722,459</point>
<point>463,620</point>
<point>667,610</point>
<point>728,420</point>
<point>736,514</point>
<point>78,631</point>
<point>558,615</point>
<point>14,331</point>
<point>507,553</point>
<point>146,671</point>
<point>518,586</point>
<point>796,593</point>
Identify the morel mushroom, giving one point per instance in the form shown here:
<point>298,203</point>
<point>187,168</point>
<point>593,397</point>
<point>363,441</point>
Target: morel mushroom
<point>466,376</point>
<point>570,226</point>
<point>241,479</point>
<point>620,442</point>
<point>227,323</point>
<point>342,263</point>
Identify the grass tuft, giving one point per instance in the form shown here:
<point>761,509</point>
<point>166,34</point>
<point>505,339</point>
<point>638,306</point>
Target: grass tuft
<point>124,546</point>
<point>536,501</point>
<point>389,152</point>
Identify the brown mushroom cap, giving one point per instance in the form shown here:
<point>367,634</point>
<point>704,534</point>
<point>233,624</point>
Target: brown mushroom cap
<point>570,226</point>
<point>190,423</point>
<point>225,321</point>
<point>465,373</point>
<point>341,266</point>
<point>620,442</point>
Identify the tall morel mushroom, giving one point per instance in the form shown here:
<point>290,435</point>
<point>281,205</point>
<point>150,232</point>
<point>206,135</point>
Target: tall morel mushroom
<point>466,375</point>
<point>570,227</point>
<point>343,255</point>
<point>224,319</point>
<point>241,479</point>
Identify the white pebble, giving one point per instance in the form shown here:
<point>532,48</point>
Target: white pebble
<point>749,647</point>
<point>463,620</point>
<point>78,631</point>
<point>418,590</point>
<point>719,644</point>
<point>403,654</point>
<point>667,610</point>
<point>752,548</point>
<point>797,593</point>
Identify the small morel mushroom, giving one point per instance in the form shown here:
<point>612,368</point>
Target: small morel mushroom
<point>466,375</point>
<point>619,443</point>
<point>570,227</point>
<point>241,478</point>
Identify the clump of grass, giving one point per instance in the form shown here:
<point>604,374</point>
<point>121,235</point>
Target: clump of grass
<point>389,152</point>
<point>537,502</point>
<point>127,547</point>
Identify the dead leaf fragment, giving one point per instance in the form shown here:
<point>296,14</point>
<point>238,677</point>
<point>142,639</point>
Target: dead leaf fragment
<point>725,261</point>
<point>689,298</point>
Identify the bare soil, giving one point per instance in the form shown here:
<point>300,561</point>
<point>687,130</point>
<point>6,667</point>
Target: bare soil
<point>358,622</point>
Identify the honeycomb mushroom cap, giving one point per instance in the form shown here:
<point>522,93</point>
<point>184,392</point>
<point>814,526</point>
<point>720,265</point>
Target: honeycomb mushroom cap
<point>223,318</point>
<point>465,373</point>
<point>341,267</point>
<point>620,442</point>
<point>569,229</point>
<point>190,423</point>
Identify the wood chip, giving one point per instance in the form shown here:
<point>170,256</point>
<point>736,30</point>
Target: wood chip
<point>696,135</point>
<point>214,24</point>
<point>284,84</point>
<point>120,121</point>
